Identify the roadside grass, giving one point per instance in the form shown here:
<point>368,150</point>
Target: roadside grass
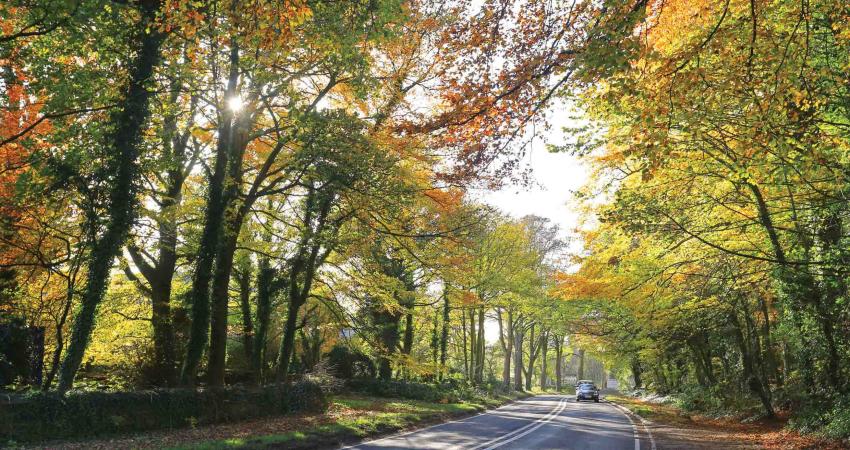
<point>662,412</point>
<point>353,417</point>
<point>675,428</point>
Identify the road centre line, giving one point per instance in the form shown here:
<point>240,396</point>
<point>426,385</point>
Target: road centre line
<point>533,426</point>
<point>394,436</point>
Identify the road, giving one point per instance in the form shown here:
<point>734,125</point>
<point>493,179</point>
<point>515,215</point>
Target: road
<point>540,423</point>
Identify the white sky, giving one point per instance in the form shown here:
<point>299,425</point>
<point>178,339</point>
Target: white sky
<point>556,176</point>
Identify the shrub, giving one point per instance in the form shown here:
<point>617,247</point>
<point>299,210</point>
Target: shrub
<point>14,351</point>
<point>829,417</point>
<point>347,364</point>
<point>451,391</point>
<point>697,398</point>
<point>86,414</point>
<point>404,389</point>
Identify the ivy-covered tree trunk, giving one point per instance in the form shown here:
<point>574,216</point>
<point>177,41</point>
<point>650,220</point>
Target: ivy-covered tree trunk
<point>233,220</point>
<point>243,278</point>
<point>637,372</point>
<point>748,364</point>
<point>268,284</point>
<point>124,143</point>
<point>220,297</point>
<point>199,296</point>
<point>388,323</point>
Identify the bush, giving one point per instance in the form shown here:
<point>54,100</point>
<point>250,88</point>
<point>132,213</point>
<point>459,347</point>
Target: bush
<point>404,389</point>
<point>829,417</point>
<point>42,416</point>
<point>347,364</point>
<point>700,399</point>
<point>450,391</point>
<point>14,352</point>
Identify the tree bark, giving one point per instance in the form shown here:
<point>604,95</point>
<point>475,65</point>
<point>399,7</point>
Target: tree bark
<point>244,280</point>
<point>544,353</point>
<point>580,372</point>
<point>750,375</point>
<point>444,335</point>
<point>220,297</point>
<point>479,365</point>
<point>199,296</point>
<point>637,372</point>
<point>305,263</point>
<point>267,285</point>
<point>559,355</point>
<point>124,144</point>
<point>506,341</point>
<point>518,337</point>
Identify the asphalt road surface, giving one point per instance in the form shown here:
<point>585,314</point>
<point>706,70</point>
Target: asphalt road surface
<point>539,423</point>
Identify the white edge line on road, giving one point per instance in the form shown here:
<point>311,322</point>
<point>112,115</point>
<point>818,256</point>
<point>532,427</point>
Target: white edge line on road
<point>398,435</point>
<point>634,427</point>
<point>643,421</point>
<point>648,432</point>
<point>540,422</point>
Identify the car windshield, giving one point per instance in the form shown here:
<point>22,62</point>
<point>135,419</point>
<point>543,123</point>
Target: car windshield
<point>587,387</point>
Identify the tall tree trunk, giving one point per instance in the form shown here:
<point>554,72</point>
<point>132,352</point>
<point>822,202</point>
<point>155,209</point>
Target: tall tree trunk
<point>220,297</point>
<point>479,365</point>
<point>506,340</point>
<point>466,370</point>
<point>518,358</point>
<point>637,372</point>
<point>267,286</point>
<point>124,143</point>
<point>407,341</point>
<point>750,375</point>
<point>580,373</point>
<point>473,347</point>
<point>287,343</point>
<point>308,258</point>
<point>199,296</point>
<point>59,330</point>
<point>244,280</point>
<point>435,338</point>
<point>533,347</point>
<point>234,218</point>
<point>444,336</point>
<point>544,354</point>
<point>559,362</point>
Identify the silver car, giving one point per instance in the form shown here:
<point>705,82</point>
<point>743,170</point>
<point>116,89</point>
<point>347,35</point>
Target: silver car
<point>587,391</point>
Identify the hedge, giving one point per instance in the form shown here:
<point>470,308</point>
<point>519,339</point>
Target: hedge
<point>43,416</point>
<point>404,389</point>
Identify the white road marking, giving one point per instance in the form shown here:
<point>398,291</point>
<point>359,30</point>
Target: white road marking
<point>646,424</point>
<point>523,430</point>
<point>394,436</point>
<point>643,421</point>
